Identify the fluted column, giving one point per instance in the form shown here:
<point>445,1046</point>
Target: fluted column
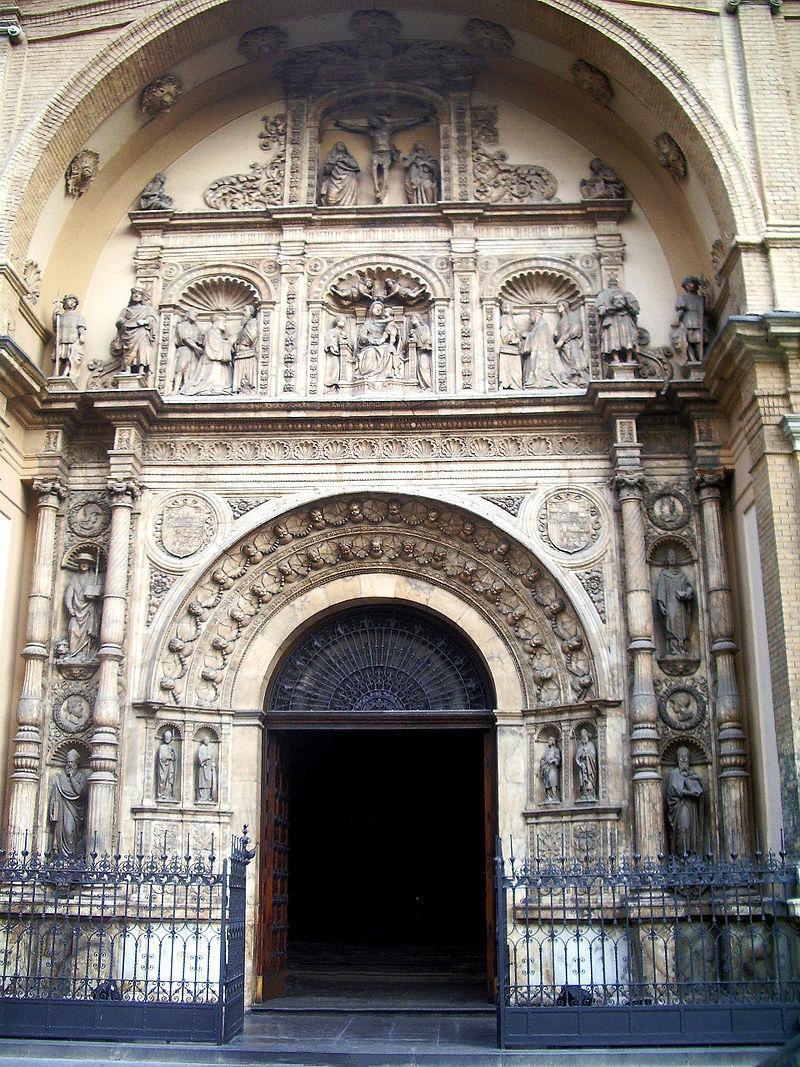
<point>648,805</point>
<point>27,762</point>
<point>731,741</point>
<point>104,758</point>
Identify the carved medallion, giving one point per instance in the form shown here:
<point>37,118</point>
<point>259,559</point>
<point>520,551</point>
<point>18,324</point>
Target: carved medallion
<point>669,509</point>
<point>569,521</point>
<point>72,712</point>
<point>681,707</point>
<point>88,518</point>
<point>185,525</point>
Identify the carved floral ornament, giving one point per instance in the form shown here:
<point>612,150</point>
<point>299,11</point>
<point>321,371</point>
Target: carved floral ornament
<point>445,546</point>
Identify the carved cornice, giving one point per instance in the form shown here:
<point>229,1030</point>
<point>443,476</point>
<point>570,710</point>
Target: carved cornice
<point>21,382</point>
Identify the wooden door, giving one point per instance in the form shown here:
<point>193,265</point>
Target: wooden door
<point>489,845</point>
<point>275,871</point>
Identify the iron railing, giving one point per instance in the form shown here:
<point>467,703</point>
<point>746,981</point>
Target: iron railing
<point>123,946</point>
<point>676,950</point>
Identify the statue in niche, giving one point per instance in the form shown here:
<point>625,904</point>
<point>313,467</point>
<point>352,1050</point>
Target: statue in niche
<point>379,346</point>
<point>541,364</point>
<point>420,350</point>
<point>550,771</point>
<point>135,342</point>
<point>604,183</point>
<point>684,807</point>
<point>245,355</point>
<point>66,809</point>
<point>422,176</point>
<point>212,371</point>
<point>510,361</point>
<point>689,326</point>
<point>338,354</point>
<point>380,129</point>
<point>674,595</point>
<point>188,349</point>
<point>206,772</point>
<point>70,329</point>
<point>166,764</point>
<point>82,601</point>
<point>338,185</point>
<point>619,335</point>
<point>586,766</point>
<point>153,197</point>
<point>568,340</point>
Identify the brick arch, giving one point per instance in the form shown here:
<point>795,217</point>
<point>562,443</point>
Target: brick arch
<point>183,27</point>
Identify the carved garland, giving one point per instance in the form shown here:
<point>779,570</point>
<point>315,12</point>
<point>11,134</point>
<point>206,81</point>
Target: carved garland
<point>259,575</point>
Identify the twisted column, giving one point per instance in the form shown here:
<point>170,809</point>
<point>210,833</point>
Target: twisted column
<point>27,760</point>
<point>104,758</point>
<point>731,741</point>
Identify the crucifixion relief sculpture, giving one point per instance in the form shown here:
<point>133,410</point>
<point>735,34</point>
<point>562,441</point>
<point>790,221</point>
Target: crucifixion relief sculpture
<point>380,127</point>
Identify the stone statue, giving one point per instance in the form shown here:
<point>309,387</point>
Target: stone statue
<point>689,324</point>
<point>153,197</point>
<point>206,772</point>
<point>550,771</point>
<point>188,349</point>
<point>684,807</point>
<point>166,764</point>
<point>66,809</point>
<point>212,371</point>
<point>541,367</point>
<point>510,361</point>
<point>82,600</point>
<point>245,354</point>
<point>422,176</point>
<point>135,342</point>
<point>586,766</point>
<point>338,354</point>
<point>604,183</point>
<point>338,186</point>
<point>70,329</point>
<point>619,335</point>
<point>378,349</point>
<point>568,340</point>
<point>674,594</point>
<point>81,172</point>
<point>419,342</point>
<point>394,289</point>
<point>361,289</point>
<point>380,129</point>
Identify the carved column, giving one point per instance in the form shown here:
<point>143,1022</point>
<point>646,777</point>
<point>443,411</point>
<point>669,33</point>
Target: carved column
<point>731,741</point>
<point>103,759</point>
<point>30,709</point>
<point>648,804</point>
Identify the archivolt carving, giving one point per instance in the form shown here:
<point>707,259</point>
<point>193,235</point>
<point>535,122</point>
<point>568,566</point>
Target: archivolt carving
<point>443,545</point>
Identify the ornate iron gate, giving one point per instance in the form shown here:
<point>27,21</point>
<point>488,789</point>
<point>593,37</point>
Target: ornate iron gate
<point>113,947</point>
<point>678,951</point>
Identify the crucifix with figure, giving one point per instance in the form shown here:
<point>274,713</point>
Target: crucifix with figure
<point>380,129</point>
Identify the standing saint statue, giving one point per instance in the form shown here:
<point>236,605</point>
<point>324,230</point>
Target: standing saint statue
<point>380,129</point>
<point>689,324</point>
<point>568,340</point>
<point>586,766</point>
<point>245,355</point>
<point>684,807</point>
<point>212,371</point>
<point>188,349</point>
<point>674,595</point>
<point>540,359</point>
<point>619,334</point>
<point>338,354</point>
<point>510,361</point>
<point>135,341</point>
<point>70,329</point>
<point>379,345</point>
<point>66,809</point>
<point>166,763</point>
<point>206,772</point>
<point>419,338</point>
<point>338,185</point>
<point>82,600</point>
<point>422,176</point>
<point>550,771</point>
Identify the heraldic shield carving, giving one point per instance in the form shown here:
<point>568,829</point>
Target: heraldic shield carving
<point>185,525</point>
<point>569,521</point>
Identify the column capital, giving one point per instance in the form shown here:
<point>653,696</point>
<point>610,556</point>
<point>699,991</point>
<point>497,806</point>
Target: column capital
<point>49,487</point>
<point>629,483</point>
<point>709,480</point>
<point>119,488</point>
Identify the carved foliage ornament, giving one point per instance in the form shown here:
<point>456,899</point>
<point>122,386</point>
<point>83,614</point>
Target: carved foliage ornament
<point>257,577</point>
<point>490,36</point>
<point>263,42</point>
<point>593,81</point>
<point>184,525</point>
<point>496,180</point>
<point>262,185</point>
<point>570,521</point>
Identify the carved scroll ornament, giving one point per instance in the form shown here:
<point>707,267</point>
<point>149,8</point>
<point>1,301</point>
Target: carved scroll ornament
<point>262,185</point>
<point>443,545</point>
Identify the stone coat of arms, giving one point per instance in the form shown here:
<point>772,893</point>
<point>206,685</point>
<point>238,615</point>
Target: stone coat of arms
<point>569,521</point>
<point>185,525</point>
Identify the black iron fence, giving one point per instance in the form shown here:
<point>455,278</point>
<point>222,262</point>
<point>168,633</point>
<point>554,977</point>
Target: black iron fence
<point>679,950</point>
<point>123,947</point>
